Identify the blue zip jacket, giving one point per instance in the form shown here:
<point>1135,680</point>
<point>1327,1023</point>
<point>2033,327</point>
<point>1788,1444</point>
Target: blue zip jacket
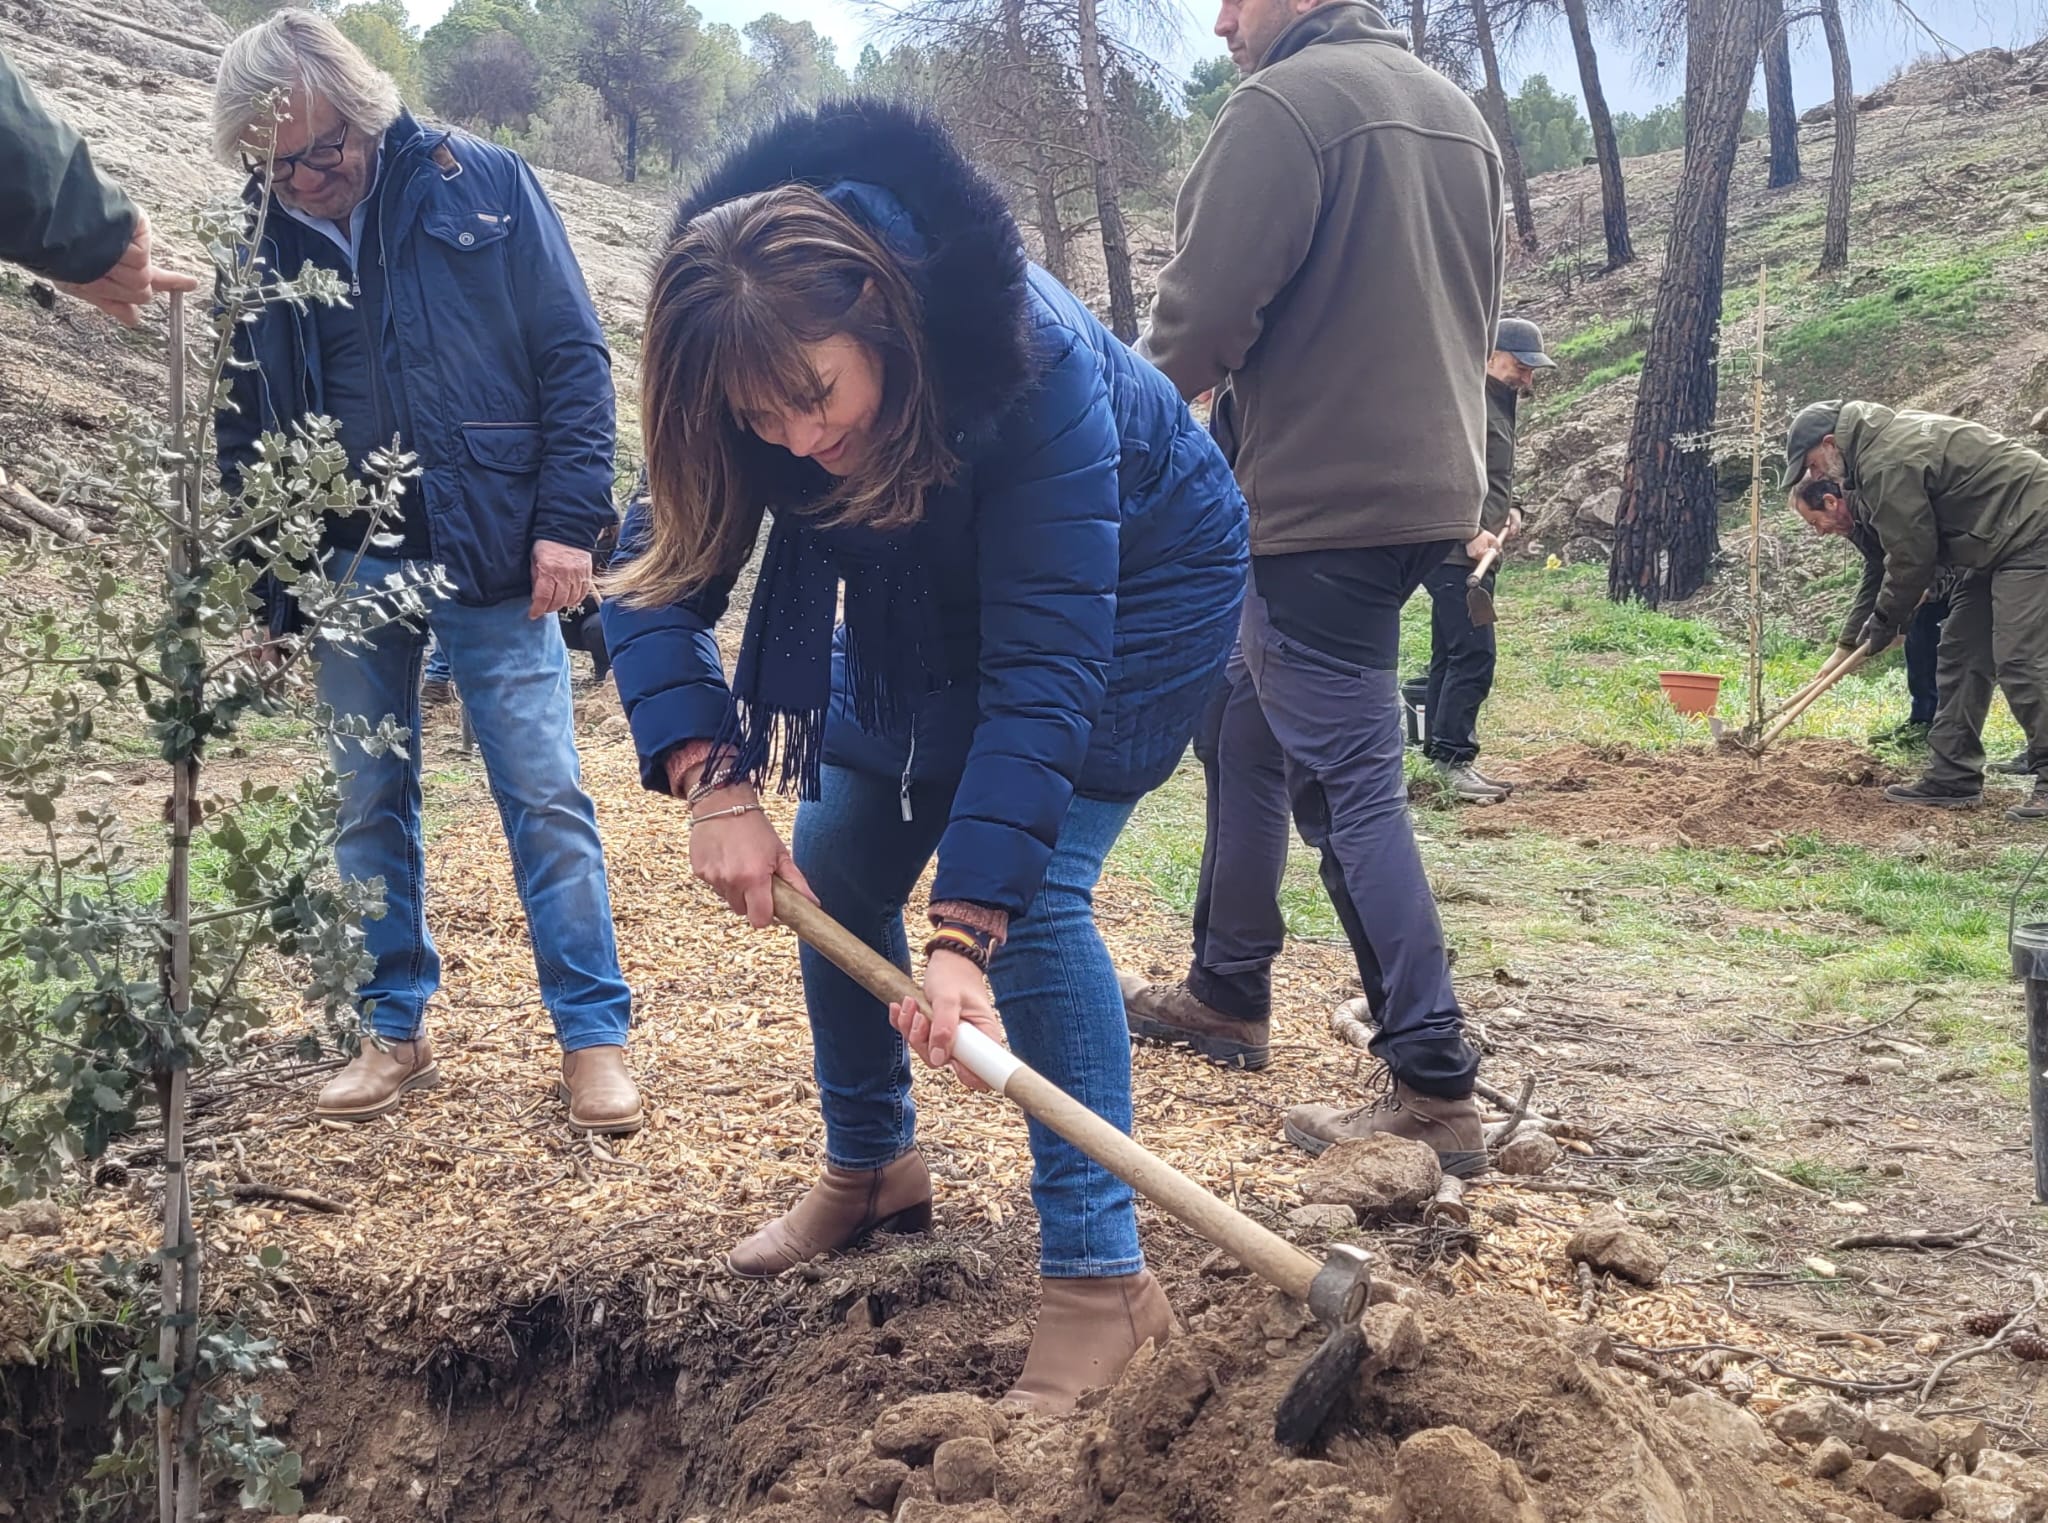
<point>1087,563</point>
<point>504,370</point>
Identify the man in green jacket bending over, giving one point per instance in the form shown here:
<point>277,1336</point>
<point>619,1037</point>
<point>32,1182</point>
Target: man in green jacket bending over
<point>1938,493</point>
<point>59,218</point>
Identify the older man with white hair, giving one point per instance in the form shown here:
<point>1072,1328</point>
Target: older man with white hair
<point>469,339</point>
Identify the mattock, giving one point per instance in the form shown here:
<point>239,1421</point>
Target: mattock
<point>1335,1290</point>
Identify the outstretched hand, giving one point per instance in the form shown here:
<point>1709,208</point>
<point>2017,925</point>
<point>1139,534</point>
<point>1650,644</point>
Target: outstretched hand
<point>956,991</point>
<point>126,289</point>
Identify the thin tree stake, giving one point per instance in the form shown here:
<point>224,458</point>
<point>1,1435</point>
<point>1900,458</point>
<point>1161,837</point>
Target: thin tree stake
<point>1756,518</point>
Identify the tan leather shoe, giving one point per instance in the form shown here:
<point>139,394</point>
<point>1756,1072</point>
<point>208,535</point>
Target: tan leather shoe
<point>1173,1014</point>
<point>843,1207</point>
<point>1088,1332</point>
<point>376,1079</point>
<point>1452,1127</point>
<point>601,1095</point>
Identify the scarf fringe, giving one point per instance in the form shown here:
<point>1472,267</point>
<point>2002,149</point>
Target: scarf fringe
<point>765,742</point>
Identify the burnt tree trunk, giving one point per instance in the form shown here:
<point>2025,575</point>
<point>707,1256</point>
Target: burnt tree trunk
<point>1778,95</point>
<point>1834,253</point>
<point>1665,533</point>
<point>1613,198</point>
<point>1052,231</point>
<point>1116,243</point>
<point>1493,101</point>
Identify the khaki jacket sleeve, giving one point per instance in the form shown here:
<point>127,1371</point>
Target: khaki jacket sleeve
<point>1500,469</point>
<point>1242,227</point>
<point>1866,590</point>
<point>1903,517</point>
<point>58,217</point>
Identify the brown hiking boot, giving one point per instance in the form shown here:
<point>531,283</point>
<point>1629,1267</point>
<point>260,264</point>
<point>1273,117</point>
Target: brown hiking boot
<point>1450,1126</point>
<point>1171,1013</point>
<point>1088,1332</point>
<point>376,1079</point>
<point>843,1207</point>
<point>600,1093</point>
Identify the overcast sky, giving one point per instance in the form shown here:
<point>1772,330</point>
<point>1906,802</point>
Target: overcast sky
<point>1878,47</point>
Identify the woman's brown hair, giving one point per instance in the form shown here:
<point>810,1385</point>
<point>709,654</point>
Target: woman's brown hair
<point>740,293</point>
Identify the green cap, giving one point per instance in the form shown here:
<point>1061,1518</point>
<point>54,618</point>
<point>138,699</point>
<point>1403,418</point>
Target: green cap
<point>1814,423</point>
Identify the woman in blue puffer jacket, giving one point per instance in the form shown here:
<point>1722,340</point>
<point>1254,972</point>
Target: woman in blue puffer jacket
<point>1042,558</point>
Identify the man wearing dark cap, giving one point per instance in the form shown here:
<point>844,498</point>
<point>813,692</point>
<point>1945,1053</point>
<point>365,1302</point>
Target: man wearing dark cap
<point>1461,653</point>
<point>1935,493</point>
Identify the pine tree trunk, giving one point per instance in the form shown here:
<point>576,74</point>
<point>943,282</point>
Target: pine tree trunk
<point>1116,244</point>
<point>1665,534</point>
<point>1778,95</point>
<point>1613,197</point>
<point>631,120</point>
<point>1052,231</point>
<point>1493,101</point>
<point>1842,176</point>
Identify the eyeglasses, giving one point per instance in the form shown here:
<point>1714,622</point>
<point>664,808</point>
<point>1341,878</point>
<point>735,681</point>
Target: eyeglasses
<point>322,157</point>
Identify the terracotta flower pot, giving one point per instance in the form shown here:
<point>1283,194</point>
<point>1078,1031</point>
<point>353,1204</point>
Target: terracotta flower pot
<point>1691,692</point>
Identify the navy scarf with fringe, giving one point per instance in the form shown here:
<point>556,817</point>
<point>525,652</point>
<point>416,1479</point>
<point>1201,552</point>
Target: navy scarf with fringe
<point>782,683</point>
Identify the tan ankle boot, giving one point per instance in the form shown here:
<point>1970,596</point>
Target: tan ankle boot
<point>1088,1332</point>
<point>843,1207</point>
<point>376,1079</point>
<point>599,1092</point>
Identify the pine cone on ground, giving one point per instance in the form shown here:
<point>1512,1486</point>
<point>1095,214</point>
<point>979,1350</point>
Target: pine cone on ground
<point>2029,1346</point>
<point>1987,1324</point>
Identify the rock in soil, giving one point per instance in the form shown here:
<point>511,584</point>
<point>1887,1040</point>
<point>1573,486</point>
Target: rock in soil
<point>919,1510</point>
<point>1723,1423</point>
<point>1377,1175</point>
<point>875,1481</point>
<point>1830,1458</point>
<point>1977,1501</point>
<point>964,1470</point>
<point>1612,1247</point>
<point>35,1218</point>
<point>1962,1436</point>
<point>1445,1475</point>
<point>1322,1217</point>
<point>1888,1432</point>
<point>1903,1488</point>
<point>912,1430</point>
<point>1529,1153</point>
<point>1813,1418</point>
<point>2010,1470</point>
<point>1394,1338</point>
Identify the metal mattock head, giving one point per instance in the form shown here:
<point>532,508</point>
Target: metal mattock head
<point>1337,1297</point>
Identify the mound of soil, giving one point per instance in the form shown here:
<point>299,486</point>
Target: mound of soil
<point>1719,797</point>
<point>1490,1417</point>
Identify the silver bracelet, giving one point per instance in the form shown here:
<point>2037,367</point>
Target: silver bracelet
<point>723,814</point>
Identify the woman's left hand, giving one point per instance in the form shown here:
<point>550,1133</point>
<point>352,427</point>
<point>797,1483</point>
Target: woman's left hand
<point>956,991</point>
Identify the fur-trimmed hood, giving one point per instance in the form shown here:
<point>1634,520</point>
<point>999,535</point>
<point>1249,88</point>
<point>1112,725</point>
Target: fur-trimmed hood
<point>971,270</point>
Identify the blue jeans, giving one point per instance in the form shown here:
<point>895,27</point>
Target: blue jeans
<point>1053,982</point>
<point>514,676</point>
<point>437,660</point>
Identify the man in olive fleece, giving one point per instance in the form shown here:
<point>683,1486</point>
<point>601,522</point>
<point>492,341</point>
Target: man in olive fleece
<point>1939,492</point>
<point>1337,263</point>
<point>61,219</point>
<point>1461,653</point>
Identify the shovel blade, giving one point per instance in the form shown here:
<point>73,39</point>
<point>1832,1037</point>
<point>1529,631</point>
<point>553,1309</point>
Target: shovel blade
<point>1479,606</point>
<point>1323,1384</point>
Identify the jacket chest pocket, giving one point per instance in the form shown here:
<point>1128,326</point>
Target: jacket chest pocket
<point>467,231</point>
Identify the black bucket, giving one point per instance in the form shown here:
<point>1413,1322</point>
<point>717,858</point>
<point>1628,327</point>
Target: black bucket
<point>2030,966</point>
<point>1413,692</point>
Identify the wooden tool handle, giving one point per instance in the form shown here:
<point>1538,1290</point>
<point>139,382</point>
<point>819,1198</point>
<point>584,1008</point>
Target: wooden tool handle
<point>1485,565</point>
<point>1806,699</point>
<point>1271,1257</point>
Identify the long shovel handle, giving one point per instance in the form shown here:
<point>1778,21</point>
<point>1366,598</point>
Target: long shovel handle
<point>1806,699</point>
<point>1478,572</point>
<point>1271,1257</point>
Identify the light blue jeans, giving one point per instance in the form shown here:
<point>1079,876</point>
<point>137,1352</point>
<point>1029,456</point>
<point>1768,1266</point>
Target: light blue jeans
<point>514,676</point>
<point>1053,983</point>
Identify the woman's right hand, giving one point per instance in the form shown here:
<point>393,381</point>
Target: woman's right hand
<point>739,854</point>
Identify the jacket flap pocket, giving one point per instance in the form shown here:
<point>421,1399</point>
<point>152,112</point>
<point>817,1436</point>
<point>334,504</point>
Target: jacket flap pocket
<point>467,230</point>
<point>504,446</point>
